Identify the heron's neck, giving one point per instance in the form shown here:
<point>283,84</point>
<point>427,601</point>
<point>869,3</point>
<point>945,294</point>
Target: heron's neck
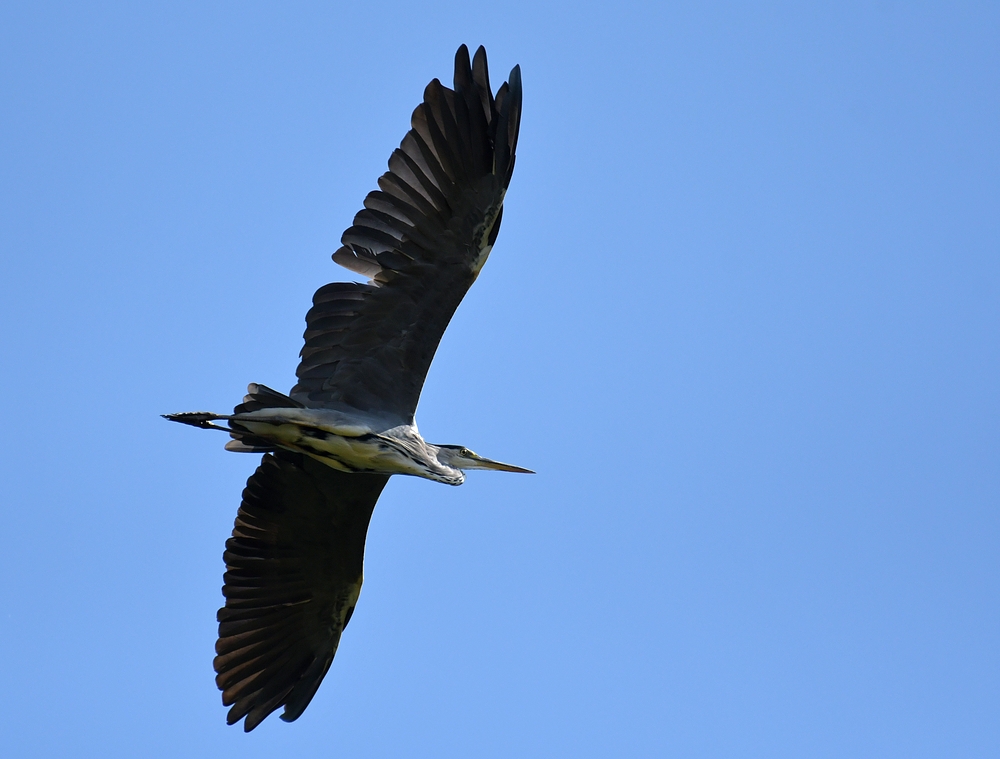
<point>433,461</point>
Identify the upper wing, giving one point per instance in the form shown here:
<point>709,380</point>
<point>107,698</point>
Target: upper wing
<point>422,237</point>
<point>293,575</point>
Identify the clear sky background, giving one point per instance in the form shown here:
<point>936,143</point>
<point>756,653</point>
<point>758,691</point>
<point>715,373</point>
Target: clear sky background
<point>742,318</point>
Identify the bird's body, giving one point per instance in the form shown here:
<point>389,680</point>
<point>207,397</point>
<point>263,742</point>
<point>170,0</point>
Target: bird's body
<point>348,446</point>
<point>347,441</point>
<point>294,561</point>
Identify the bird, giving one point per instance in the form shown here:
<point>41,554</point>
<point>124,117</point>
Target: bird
<point>294,563</point>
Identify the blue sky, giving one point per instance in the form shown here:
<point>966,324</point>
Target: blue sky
<point>741,318</point>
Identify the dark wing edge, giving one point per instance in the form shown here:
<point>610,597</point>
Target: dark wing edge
<point>294,567</point>
<point>421,238</point>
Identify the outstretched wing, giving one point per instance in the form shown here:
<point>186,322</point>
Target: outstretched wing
<point>422,238</point>
<point>293,575</point>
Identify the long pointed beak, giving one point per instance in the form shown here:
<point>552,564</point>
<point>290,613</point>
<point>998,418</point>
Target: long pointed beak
<point>482,463</point>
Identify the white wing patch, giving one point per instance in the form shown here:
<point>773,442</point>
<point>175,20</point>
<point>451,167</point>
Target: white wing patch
<point>484,234</point>
<point>480,260</point>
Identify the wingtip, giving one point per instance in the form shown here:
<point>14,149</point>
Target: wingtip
<point>514,81</point>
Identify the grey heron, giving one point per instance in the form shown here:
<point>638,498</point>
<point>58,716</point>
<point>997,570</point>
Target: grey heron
<point>294,561</point>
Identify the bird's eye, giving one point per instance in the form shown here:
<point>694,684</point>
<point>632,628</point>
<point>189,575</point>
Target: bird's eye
<point>466,452</point>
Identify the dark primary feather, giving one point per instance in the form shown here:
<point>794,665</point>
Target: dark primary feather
<point>418,238</point>
<point>295,557</point>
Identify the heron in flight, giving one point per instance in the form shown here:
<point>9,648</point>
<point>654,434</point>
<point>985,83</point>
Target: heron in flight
<point>294,561</point>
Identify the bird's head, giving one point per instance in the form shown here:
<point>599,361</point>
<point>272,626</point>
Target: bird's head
<point>460,457</point>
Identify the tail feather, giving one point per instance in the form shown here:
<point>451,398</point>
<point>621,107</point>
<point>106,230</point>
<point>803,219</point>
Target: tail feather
<point>261,396</point>
<point>258,397</point>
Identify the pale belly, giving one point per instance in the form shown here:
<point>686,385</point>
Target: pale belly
<point>367,452</point>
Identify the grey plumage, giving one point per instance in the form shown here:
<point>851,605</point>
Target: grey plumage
<point>294,562</point>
